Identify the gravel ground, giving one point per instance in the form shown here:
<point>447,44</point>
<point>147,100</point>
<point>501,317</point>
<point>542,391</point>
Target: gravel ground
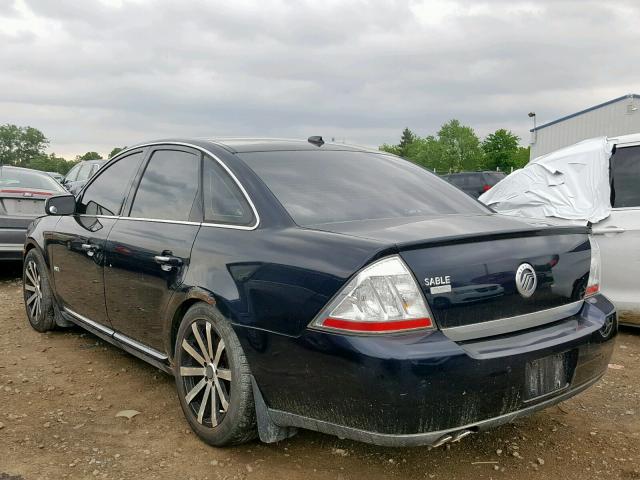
<point>60,393</point>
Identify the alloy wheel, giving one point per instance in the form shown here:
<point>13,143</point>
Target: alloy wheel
<point>205,373</point>
<point>33,285</point>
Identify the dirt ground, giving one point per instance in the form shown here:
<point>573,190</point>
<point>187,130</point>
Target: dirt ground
<point>60,393</point>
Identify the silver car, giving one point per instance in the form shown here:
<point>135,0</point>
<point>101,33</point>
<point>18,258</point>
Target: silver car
<point>619,234</point>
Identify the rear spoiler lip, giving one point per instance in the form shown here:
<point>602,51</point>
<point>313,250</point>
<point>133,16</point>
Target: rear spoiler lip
<point>498,235</point>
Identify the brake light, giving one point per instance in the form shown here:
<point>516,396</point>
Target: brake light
<point>382,298</point>
<point>595,270</point>
<point>486,187</point>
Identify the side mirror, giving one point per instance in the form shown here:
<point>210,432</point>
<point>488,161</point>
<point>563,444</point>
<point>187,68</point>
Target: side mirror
<point>60,205</point>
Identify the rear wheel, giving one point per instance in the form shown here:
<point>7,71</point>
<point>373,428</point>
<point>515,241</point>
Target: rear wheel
<point>213,378</point>
<point>38,298</point>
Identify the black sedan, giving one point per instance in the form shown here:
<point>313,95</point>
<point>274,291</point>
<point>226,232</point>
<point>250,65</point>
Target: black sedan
<point>22,195</point>
<point>293,284</point>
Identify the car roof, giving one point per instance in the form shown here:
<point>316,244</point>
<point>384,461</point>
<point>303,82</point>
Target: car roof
<point>12,167</point>
<point>245,145</point>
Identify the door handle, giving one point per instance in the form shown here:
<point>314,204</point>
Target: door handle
<point>606,230</point>
<point>167,262</point>
<point>90,248</point>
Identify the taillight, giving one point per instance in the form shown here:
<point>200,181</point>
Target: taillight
<point>593,285</point>
<point>486,187</point>
<point>382,298</point>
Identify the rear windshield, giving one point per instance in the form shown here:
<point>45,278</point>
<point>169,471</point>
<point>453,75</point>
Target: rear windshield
<point>493,177</point>
<point>338,186</point>
<point>14,178</point>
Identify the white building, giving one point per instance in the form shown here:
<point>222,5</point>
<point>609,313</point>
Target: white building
<point>616,117</point>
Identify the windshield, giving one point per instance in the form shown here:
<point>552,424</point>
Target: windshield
<point>318,187</point>
<point>17,178</point>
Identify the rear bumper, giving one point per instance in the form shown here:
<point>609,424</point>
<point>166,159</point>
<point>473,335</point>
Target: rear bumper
<point>419,388</point>
<point>418,439</point>
<point>11,243</point>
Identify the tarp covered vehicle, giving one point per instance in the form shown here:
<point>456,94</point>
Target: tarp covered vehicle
<point>597,182</point>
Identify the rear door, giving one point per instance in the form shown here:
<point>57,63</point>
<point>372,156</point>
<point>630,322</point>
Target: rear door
<point>77,245</point>
<point>619,235</point>
<point>149,247</point>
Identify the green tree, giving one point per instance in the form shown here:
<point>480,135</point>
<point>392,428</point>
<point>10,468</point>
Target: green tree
<point>50,163</point>
<point>385,147</point>
<point>407,138</point>
<point>20,145</point>
<point>521,157</point>
<point>89,156</point>
<point>460,147</point>
<point>115,151</point>
<point>500,149</point>
<point>427,152</point>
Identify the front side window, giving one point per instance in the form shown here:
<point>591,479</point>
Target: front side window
<point>223,200</point>
<point>169,186</point>
<point>318,187</point>
<point>105,195</point>
<point>625,177</point>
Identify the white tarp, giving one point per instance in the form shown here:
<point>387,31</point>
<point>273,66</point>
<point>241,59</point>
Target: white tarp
<point>571,184</point>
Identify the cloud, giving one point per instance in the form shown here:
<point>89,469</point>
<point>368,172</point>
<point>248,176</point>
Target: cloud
<point>95,74</point>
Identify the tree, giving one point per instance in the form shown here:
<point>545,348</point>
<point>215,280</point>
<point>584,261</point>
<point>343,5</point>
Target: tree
<point>500,149</point>
<point>51,163</point>
<point>385,147</point>
<point>115,151</point>
<point>407,138</point>
<point>20,145</point>
<point>460,147</point>
<point>427,152</point>
<point>521,157</point>
<point>89,156</point>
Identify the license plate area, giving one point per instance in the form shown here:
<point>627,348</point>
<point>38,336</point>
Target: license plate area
<point>548,375</point>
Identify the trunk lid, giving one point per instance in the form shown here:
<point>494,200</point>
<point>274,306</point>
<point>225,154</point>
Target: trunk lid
<point>23,201</point>
<point>466,265</point>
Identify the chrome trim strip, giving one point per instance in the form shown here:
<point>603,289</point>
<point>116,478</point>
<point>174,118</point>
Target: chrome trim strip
<point>11,247</point>
<point>512,324</point>
<point>222,164</point>
<point>139,346</point>
<point>117,336</point>
<point>179,222</point>
<point>89,322</point>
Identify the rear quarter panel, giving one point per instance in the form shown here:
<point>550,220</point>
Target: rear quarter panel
<point>275,280</point>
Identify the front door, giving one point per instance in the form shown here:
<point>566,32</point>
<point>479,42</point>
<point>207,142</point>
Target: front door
<point>148,250</point>
<point>78,243</point>
<point>618,236</point>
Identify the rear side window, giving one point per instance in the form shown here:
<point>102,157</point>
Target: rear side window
<point>223,200</point>
<point>168,187</point>
<point>625,177</point>
<point>84,173</point>
<point>73,173</point>
<point>318,187</point>
<point>105,195</point>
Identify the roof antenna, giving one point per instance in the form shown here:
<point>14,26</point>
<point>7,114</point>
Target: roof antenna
<point>316,140</point>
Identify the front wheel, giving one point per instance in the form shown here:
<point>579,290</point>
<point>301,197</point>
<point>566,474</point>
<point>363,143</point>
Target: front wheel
<point>213,378</point>
<point>38,298</point>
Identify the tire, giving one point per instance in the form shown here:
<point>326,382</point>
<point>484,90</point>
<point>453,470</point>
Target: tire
<point>38,297</point>
<point>214,375</point>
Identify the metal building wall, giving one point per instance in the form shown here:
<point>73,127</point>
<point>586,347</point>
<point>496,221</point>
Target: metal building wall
<point>620,117</point>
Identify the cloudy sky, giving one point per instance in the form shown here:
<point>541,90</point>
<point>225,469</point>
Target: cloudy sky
<point>96,74</point>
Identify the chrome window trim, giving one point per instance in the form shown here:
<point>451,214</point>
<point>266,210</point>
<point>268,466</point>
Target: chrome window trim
<point>222,164</point>
<point>512,324</point>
